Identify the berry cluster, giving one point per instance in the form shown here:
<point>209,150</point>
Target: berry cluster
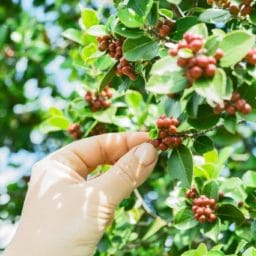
<point>192,193</point>
<point>125,68</point>
<point>99,100</point>
<point>236,104</point>
<point>167,135</point>
<point>203,208</point>
<point>199,65</point>
<point>165,27</point>
<point>251,57</point>
<point>111,45</point>
<point>114,48</point>
<point>243,9</point>
<point>75,131</point>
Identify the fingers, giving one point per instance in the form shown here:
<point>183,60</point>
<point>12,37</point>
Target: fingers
<point>128,173</point>
<point>86,154</point>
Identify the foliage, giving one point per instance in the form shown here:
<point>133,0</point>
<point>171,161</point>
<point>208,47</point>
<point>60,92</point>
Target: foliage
<point>142,52</point>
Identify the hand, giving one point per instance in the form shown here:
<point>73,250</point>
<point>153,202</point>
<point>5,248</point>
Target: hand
<point>65,213</point>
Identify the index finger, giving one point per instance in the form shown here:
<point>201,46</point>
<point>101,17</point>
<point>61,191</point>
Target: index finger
<point>85,155</point>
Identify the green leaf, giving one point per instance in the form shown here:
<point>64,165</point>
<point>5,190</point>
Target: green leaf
<point>232,188</point>
<point>203,144</point>
<point>153,15</point>
<point>205,118</point>
<point>250,252</point>
<point>235,46</point>
<point>249,179</point>
<point>134,99</point>
<point>213,89</point>
<point>166,13</point>
<point>157,224</point>
<point>108,77</point>
<point>166,77</point>
<point>105,116</point>
<point>121,30</point>
<point>88,51</point>
<point>89,18</point>
<point>230,123</point>
<point>59,122</point>
<point>230,213</point>
<point>211,189</point>
<point>184,219</point>
<point>180,165</point>
<point>73,35</point>
<point>141,7</point>
<point>97,30</point>
<point>199,29</point>
<point>142,48</point>
<point>130,18</point>
<point>212,44</point>
<point>153,133</point>
<point>215,16</point>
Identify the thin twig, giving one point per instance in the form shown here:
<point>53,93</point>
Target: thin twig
<point>193,134</point>
<point>176,9</point>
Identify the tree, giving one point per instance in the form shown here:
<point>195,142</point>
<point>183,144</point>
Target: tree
<point>185,72</point>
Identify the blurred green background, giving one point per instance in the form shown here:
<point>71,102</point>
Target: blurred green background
<point>34,75</point>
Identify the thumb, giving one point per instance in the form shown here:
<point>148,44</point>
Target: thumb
<point>128,173</point>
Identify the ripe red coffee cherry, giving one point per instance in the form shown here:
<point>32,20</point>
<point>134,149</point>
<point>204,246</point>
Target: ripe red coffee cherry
<point>212,217</point>
<point>196,45</point>
<point>160,123</point>
<point>182,44</point>
<point>210,70</point>
<point>211,60</point>
<point>218,110</point>
<point>202,219</point>
<point>234,10</point>
<point>194,208</point>
<point>235,96</point>
<point>240,104</point>
<point>163,147</point>
<point>196,72</point>
<point>247,109</point>
<point>231,110</point>
<point>246,10</point>
<point>207,211</point>
<point>192,62</point>
<point>219,54</point>
<point>162,134</point>
<point>173,52</point>
<point>155,143</point>
<point>202,61</point>
<point>172,129</point>
<point>167,141</point>
<point>182,62</point>
<point>164,31</point>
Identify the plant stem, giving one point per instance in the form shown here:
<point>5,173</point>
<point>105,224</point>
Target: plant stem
<point>176,9</point>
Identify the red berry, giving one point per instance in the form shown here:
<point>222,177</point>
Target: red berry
<point>172,129</point>
<point>246,10</point>
<point>234,10</point>
<point>182,44</point>
<point>196,72</point>
<point>155,143</point>
<point>196,45</point>
<point>240,104</point>
<point>167,141</point>
<point>175,121</point>
<point>173,52</point>
<point>164,31</point>
<point>247,109</point>
<point>182,62</point>
<point>210,70</point>
<point>212,217</point>
<point>211,60</point>
<point>207,211</point>
<point>231,110</point>
<point>235,96</point>
<point>202,61</point>
<point>219,54</point>
<point>160,123</point>
<point>217,110</point>
<point>162,134</point>
<point>202,219</point>
<point>194,208</point>
<point>163,147</point>
<point>192,62</point>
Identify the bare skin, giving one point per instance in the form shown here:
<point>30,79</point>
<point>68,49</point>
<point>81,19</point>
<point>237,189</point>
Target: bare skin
<point>65,213</point>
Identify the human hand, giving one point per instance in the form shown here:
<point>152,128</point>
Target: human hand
<point>65,213</point>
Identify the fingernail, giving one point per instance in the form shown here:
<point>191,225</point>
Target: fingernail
<point>146,153</point>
